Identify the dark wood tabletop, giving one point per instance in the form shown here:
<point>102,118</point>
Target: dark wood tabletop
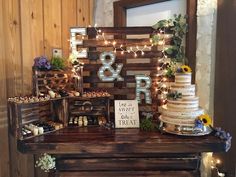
<point>98,140</point>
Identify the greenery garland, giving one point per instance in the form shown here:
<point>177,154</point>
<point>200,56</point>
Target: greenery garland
<point>178,28</point>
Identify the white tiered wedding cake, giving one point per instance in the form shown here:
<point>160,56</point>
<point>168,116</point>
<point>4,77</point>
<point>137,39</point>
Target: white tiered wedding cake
<point>182,110</point>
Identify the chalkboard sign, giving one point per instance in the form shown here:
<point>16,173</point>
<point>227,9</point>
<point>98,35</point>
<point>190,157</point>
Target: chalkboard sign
<point>126,114</point>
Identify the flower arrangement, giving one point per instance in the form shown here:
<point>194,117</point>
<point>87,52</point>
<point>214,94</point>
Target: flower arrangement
<point>173,68</point>
<point>174,95</point>
<point>202,121</point>
<point>46,163</point>
<point>42,63</point>
<point>184,69</point>
<point>205,119</point>
<point>219,132</point>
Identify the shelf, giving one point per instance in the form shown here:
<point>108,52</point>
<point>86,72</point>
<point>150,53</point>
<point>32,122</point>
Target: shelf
<point>90,113</point>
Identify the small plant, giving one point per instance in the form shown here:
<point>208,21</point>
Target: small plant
<point>147,124</point>
<point>46,163</point>
<point>58,63</point>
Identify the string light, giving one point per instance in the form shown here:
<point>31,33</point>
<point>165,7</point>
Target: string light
<point>162,89</point>
<point>214,164</point>
<point>135,50</point>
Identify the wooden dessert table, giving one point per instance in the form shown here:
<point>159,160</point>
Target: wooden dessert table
<point>95,151</point>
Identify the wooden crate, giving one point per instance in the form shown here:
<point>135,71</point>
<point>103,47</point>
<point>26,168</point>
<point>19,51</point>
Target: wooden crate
<point>20,114</point>
<point>57,79</point>
<point>98,106</point>
<point>132,65</point>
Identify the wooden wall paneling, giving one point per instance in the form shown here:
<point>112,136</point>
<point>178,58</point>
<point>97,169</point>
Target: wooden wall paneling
<point>32,38</point>
<point>91,12</point>
<point>20,164</point>
<point>52,26</point>
<point>4,147</point>
<point>12,49</point>
<point>13,63</point>
<point>84,12</point>
<point>69,9</point>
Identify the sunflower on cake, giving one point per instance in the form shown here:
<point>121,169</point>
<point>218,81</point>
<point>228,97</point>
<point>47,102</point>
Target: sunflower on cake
<point>182,114</point>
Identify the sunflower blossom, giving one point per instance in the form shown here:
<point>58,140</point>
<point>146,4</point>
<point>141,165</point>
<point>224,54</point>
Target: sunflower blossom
<point>206,119</point>
<point>186,69</point>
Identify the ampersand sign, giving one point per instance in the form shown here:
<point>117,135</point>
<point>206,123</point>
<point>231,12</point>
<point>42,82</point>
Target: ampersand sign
<point>106,66</point>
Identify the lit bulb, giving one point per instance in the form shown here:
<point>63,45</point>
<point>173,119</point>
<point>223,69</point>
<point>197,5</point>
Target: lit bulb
<point>128,51</point>
<point>142,53</point>
<point>114,43</point>
<point>89,26</point>
<point>218,161</point>
<point>164,86</point>
<point>137,47</point>
<point>145,46</point>
<point>106,42</point>
<point>95,25</point>
<point>99,31</point>
<point>158,68</point>
<point>164,79</point>
<point>121,45</point>
<point>161,42</point>
<point>135,54</point>
<point>97,36</point>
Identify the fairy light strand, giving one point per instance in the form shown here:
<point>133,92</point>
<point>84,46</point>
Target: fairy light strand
<point>214,164</point>
<point>135,50</point>
<point>162,88</point>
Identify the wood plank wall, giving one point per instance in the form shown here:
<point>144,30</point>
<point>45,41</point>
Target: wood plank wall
<point>29,28</point>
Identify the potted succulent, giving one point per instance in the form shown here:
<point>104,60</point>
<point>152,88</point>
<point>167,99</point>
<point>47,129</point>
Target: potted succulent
<point>58,63</point>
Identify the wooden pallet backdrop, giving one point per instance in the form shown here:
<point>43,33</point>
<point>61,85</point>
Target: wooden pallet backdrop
<point>141,64</point>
